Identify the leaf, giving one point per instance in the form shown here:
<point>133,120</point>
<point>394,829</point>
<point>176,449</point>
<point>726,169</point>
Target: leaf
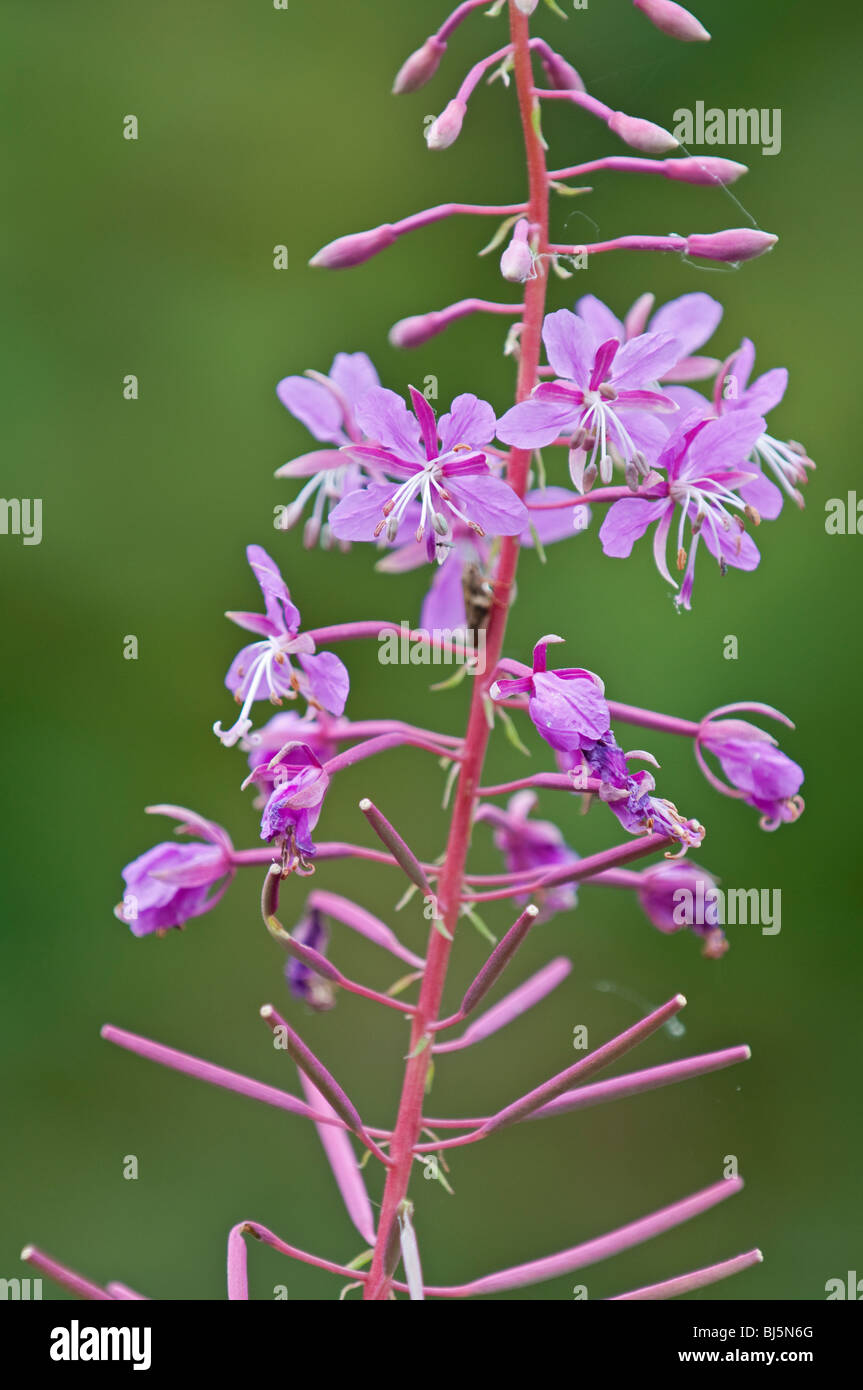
<point>511,731</point>
<point>476,921</point>
<point>537,544</point>
<point>566,190</point>
<point>500,235</point>
<point>451,681</point>
<point>541,479</point>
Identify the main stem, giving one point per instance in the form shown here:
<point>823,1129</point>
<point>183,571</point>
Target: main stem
<point>409,1121</point>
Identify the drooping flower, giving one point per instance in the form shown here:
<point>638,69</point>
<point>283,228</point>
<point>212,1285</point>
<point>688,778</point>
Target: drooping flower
<point>676,895</point>
<point>604,400</point>
<point>299,784</point>
<point>567,707</point>
<point>303,981</point>
<point>787,462</point>
<point>705,465</point>
<point>532,845</point>
<point>326,405</point>
<point>264,671</point>
<point>759,772</point>
<point>442,467</point>
<point>171,883</point>
<point>691,319</point>
<point>629,795</point>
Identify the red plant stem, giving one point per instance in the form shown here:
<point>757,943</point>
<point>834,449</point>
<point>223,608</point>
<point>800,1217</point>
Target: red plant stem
<point>409,1122</point>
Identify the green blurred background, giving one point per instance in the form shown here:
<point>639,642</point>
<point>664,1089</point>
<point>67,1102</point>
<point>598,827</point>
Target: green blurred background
<point>260,127</point>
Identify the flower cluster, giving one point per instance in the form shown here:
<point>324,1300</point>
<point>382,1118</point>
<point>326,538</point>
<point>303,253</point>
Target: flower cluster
<point>465,491</point>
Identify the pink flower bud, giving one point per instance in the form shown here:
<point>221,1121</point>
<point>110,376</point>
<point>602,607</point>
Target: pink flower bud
<point>640,134</point>
<point>705,169</point>
<point>417,329</point>
<point>420,67</point>
<point>673,20</point>
<point>561,75</point>
<point>354,249</point>
<point>736,244</point>
<point>444,131</point>
<point>516,263</point>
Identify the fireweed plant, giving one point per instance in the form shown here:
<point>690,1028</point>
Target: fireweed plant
<point>649,452</point>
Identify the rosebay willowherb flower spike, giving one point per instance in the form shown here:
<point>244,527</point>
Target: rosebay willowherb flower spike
<point>610,399</point>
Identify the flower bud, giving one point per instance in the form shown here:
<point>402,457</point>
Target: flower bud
<point>516,263</point>
<point>526,6</point>
<point>673,20</point>
<point>704,169</point>
<point>736,244</point>
<point>640,134</point>
<point>561,75</point>
<point>420,67</point>
<point>354,249</point>
<point>445,130</point>
<point>412,332</point>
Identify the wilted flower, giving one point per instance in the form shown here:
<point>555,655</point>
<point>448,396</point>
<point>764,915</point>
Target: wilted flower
<point>171,882</point>
<point>294,805</point>
<point>567,706</point>
<point>759,772</point>
<point>630,795</point>
<point>673,896</point>
<point>303,982</point>
<point>532,845</point>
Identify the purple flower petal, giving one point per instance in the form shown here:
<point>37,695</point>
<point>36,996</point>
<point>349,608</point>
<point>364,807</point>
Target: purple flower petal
<point>491,503</point>
<point>327,679</point>
<point>280,610</point>
<point>383,415</point>
<point>644,359</point>
<point>764,496</point>
<point>469,421</point>
<point>443,608</point>
<point>357,515</point>
<point>599,319</point>
<point>722,443</point>
<point>255,622</point>
<point>308,465</point>
<point>691,319</point>
<point>354,375</point>
<point>627,521</point>
<point>568,708</point>
<point>536,422</point>
<point>766,391</point>
<point>314,406</point>
<point>570,346</point>
<point>427,423</point>
<point>555,524</point>
<point>733,546</point>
